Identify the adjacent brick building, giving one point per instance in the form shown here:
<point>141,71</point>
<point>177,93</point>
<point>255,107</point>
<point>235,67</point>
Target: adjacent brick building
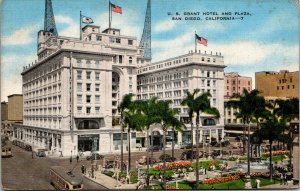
<point>234,84</point>
<point>282,84</point>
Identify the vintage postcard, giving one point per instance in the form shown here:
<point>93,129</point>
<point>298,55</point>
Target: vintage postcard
<point>149,94</point>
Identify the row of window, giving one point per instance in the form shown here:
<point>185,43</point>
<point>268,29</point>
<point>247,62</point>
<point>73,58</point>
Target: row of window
<point>88,99</point>
<point>285,80</point>
<point>43,92</point>
<point>41,71</point>
<point>43,101</point>
<point>43,111</point>
<point>233,82</point>
<point>167,77</point>
<point>52,78</point>
<point>287,87</point>
<point>88,110</point>
<point>88,87</point>
<point>88,75</point>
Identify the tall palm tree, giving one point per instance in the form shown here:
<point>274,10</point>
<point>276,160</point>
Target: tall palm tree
<point>202,105</point>
<point>247,103</point>
<point>134,120</point>
<point>167,120</point>
<point>271,130</point>
<point>148,109</point>
<point>190,102</point>
<point>288,110</point>
<point>125,104</point>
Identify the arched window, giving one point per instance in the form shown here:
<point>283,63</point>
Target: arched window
<point>209,122</point>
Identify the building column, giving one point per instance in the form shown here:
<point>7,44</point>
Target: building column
<point>179,138</point>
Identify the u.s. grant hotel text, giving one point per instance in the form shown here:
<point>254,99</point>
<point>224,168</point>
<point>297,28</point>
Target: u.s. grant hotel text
<point>210,15</point>
<point>72,92</point>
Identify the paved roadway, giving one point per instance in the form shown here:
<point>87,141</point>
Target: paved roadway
<point>23,172</point>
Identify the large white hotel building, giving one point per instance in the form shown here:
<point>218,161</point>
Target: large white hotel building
<point>71,93</point>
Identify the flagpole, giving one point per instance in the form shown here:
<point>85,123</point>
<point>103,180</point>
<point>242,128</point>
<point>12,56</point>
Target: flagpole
<point>195,43</point>
<point>80,30</point>
<point>109,10</point>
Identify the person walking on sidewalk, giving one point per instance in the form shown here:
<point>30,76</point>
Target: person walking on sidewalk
<point>82,169</point>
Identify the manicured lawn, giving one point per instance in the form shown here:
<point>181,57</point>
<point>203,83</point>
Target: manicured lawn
<point>182,185</point>
<point>232,185</point>
<point>264,181</point>
<point>205,164</point>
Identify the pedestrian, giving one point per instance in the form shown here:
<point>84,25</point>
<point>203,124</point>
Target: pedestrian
<point>204,170</point>
<point>77,158</point>
<point>257,183</point>
<point>281,179</point>
<point>82,169</point>
<point>32,155</point>
<point>285,179</point>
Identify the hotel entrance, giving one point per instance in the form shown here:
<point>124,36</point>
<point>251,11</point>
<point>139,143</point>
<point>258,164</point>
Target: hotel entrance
<point>88,143</point>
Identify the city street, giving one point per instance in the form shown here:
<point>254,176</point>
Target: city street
<point>23,172</point>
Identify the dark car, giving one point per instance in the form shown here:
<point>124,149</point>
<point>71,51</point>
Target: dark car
<point>41,153</point>
<point>155,148</point>
<point>186,145</point>
<point>94,156</point>
<point>28,148</point>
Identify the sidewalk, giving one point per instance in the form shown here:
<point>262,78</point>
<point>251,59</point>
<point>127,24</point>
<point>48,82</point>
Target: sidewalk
<point>109,182</point>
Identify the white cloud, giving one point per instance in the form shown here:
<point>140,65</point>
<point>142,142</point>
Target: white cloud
<point>165,25</point>
<point>11,67</point>
<point>72,28</point>
<point>21,36</point>
<point>126,22</point>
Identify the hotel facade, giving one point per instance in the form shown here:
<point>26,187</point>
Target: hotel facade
<point>71,94</point>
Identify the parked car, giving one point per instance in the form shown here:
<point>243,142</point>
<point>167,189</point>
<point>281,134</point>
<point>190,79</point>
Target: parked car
<point>94,156</point>
<point>28,148</point>
<point>186,145</point>
<point>155,148</point>
<point>186,155</point>
<point>167,157</point>
<point>41,153</point>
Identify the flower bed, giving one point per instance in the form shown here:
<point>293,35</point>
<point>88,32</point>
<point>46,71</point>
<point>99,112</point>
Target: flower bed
<point>276,153</point>
<point>172,165</point>
<point>221,179</point>
<point>258,174</point>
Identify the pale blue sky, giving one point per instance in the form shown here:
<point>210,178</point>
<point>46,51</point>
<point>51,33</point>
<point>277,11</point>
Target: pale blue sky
<point>266,40</point>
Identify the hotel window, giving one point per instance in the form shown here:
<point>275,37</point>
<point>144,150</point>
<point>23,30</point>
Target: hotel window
<point>99,38</point>
<point>227,87</point>
<point>120,59</point>
<point>208,74</point>
<point>214,83</point>
<point>293,86</point>
<point>79,109</point>
<point>249,83</point>
<point>88,75</point>
<point>79,87</point>
<point>79,98</point>
<point>88,110</point>
<point>118,40</point>
<point>214,93</point>
<point>208,59</point>
<point>227,81</point>
<point>79,63</point>
<point>288,87</point>
<point>97,98</point>
<point>88,64</point>
<point>282,87</point>
<point>130,60</point>
<point>97,87</point>
<point>208,83</point>
<point>97,75</point>
<point>79,75</point>
<point>214,60</point>
<point>130,87</point>
<point>277,87</point>
<point>88,99</point>
<point>203,81</point>
<point>97,64</point>
<point>112,40</point>
<point>97,109</point>
<point>214,102</point>
<point>130,42</point>
<point>88,87</point>
<point>291,80</point>
<point>202,59</point>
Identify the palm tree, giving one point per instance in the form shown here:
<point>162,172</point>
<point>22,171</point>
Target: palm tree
<point>288,110</point>
<point>271,130</point>
<point>248,103</point>
<point>190,101</point>
<point>134,120</point>
<point>125,104</point>
<point>202,105</point>
<point>167,119</point>
<point>148,109</point>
